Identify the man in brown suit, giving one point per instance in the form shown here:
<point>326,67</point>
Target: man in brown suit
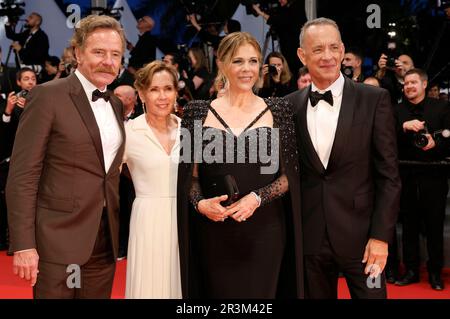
<point>62,191</point>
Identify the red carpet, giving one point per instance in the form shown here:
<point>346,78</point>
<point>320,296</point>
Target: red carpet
<point>12,287</point>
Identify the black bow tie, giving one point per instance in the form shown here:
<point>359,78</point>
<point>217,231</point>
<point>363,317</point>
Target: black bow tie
<point>100,95</point>
<point>315,97</point>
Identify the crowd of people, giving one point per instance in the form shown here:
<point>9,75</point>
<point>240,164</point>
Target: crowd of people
<point>247,177</point>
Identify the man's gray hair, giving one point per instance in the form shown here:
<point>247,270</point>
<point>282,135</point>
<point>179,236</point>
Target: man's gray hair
<point>318,21</point>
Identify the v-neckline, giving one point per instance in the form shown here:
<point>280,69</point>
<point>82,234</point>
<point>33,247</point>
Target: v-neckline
<point>150,129</point>
<point>227,127</point>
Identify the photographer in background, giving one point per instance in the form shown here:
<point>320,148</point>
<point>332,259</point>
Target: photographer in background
<point>51,69</point>
<point>30,45</point>
<point>424,187</point>
<point>303,78</point>
<point>352,64</point>
<point>391,73</point>
<point>199,74</point>
<point>211,38</point>
<point>433,91</point>
<point>185,85</point>
<point>26,80</point>
<point>145,50</point>
<point>6,79</point>
<point>209,35</point>
<point>276,77</point>
<point>286,20</point>
<point>68,64</point>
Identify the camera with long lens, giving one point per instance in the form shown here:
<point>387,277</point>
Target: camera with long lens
<point>273,71</point>
<point>420,139</point>
<point>391,57</point>
<point>391,47</point>
<point>347,70</point>
<point>22,93</point>
<point>183,62</point>
<point>68,67</point>
<point>12,10</point>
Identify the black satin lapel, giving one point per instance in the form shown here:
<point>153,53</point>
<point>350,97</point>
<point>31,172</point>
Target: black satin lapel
<point>304,134</point>
<point>342,136</point>
<point>81,102</point>
<point>117,107</point>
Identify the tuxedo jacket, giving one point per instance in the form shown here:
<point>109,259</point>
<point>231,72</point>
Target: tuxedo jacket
<point>357,196</point>
<point>57,185</point>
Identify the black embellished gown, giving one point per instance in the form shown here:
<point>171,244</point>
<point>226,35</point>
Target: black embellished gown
<point>233,259</point>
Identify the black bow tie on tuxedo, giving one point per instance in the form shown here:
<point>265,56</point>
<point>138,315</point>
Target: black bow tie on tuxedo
<point>315,97</point>
<point>100,95</point>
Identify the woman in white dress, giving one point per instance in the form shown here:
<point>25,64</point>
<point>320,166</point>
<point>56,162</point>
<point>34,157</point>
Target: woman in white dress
<point>151,153</point>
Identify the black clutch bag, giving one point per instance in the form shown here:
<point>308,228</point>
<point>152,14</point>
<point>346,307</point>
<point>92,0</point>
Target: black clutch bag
<point>222,185</point>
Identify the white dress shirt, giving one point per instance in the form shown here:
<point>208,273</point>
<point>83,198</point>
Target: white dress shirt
<point>106,121</point>
<point>6,118</point>
<point>323,118</point>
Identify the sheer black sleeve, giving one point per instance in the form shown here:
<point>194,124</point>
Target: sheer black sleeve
<point>195,193</point>
<point>282,111</point>
<point>274,190</point>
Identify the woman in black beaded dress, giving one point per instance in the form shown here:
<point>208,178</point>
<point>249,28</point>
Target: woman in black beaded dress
<point>249,246</point>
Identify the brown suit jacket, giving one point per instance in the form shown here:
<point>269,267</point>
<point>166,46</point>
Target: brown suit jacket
<point>57,183</point>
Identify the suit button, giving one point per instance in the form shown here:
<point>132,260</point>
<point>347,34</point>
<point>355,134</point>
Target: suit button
<point>326,177</point>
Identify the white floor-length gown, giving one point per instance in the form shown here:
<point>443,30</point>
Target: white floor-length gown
<point>153,266</point>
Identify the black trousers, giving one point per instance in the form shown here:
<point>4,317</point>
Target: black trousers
<point>423,201</point>
<point>393,258</point>
<point>322,271</point>
<point>127,196</point>
<point>56,281</point>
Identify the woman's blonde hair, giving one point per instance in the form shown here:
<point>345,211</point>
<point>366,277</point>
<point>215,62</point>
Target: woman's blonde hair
<point>144,76</point>
<point>227,50</point>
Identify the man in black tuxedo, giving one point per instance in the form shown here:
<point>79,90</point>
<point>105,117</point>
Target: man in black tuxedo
<point>32,44</point>
<point>348,168</point>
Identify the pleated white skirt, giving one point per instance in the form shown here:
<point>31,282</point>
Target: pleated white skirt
<point>153,263</point>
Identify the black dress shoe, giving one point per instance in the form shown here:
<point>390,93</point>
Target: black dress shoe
<point>436,281</point>
<point>409,278</point>
<point>390,276</point>
<point>122,254</point>
<point>3,246</point>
